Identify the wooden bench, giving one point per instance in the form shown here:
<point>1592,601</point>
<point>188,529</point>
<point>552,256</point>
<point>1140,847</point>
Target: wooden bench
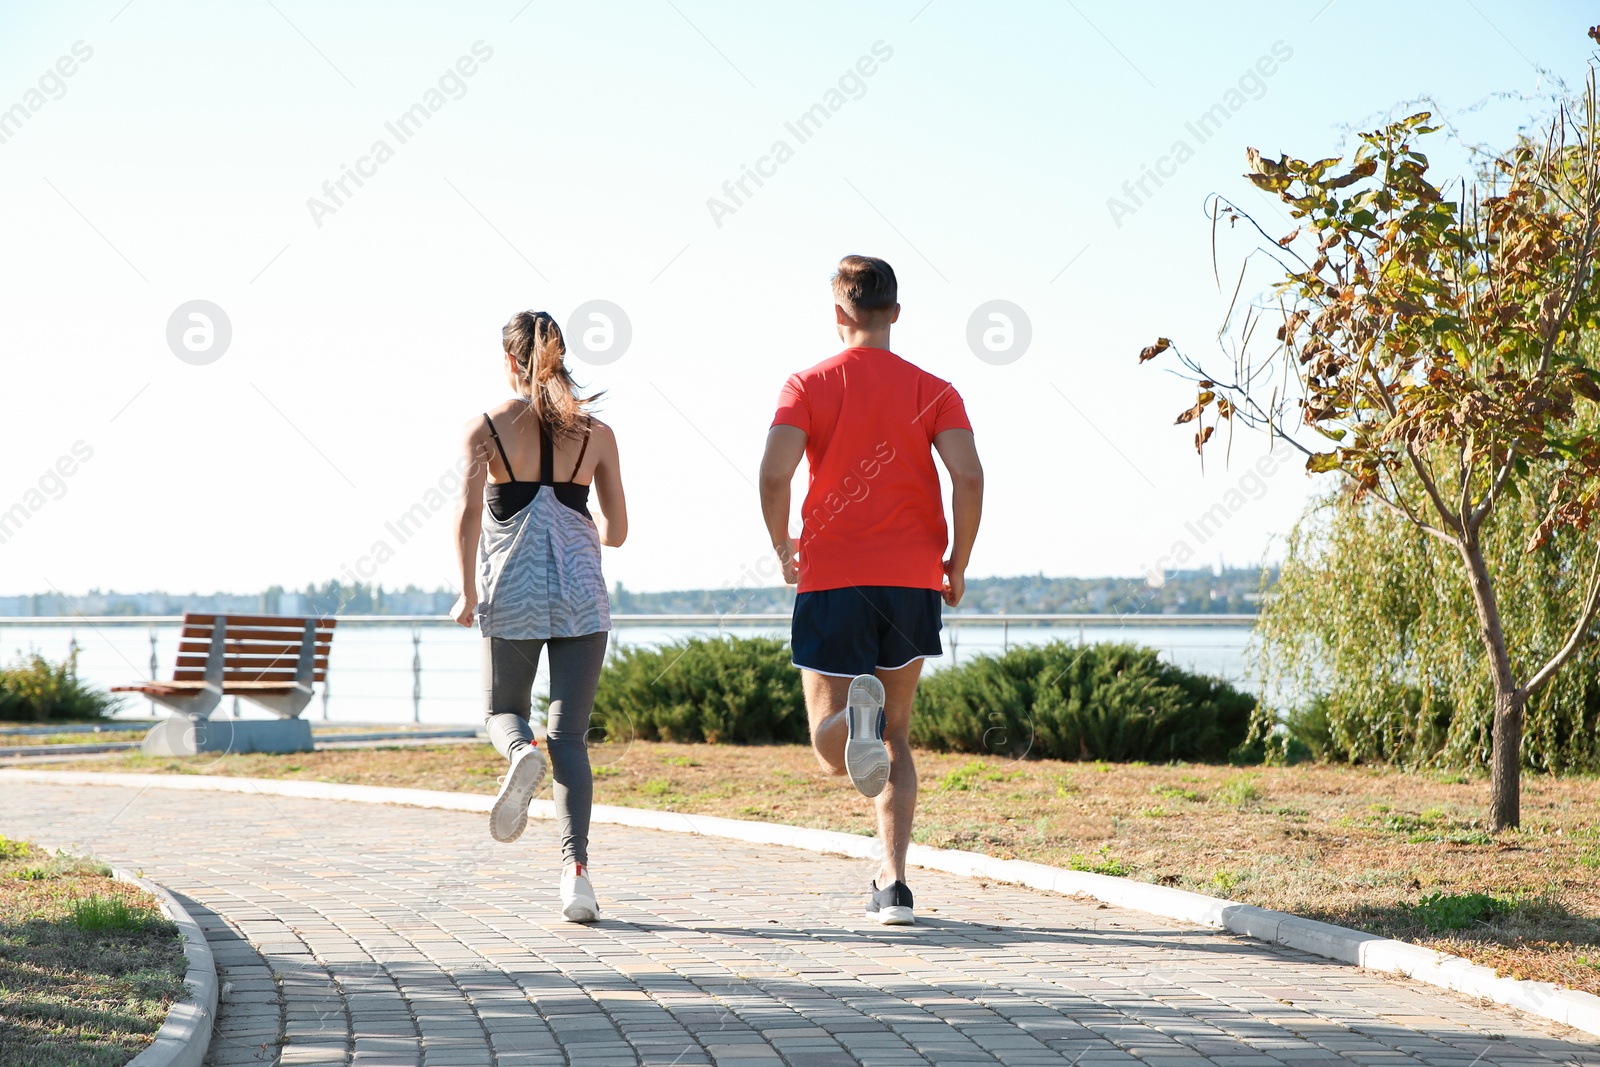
<point>270,660</point>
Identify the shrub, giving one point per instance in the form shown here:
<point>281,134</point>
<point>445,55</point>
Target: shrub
<point>721,690</point>
<point>34,688</point>
<point>1112,702</point>
<point>1058,701</point>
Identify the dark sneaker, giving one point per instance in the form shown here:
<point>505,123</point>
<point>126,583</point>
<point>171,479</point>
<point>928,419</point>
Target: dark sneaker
<point>891,906</point>
<point>866,758</point>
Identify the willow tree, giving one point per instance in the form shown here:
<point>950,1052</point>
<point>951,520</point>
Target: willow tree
<point>1430,351</point>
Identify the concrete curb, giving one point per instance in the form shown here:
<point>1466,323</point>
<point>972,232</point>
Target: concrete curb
<point>1569,1007</point>
<point>185,1037</point>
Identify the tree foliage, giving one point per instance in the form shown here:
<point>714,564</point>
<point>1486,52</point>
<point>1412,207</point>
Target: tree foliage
<point>1369,648</point>
<point>1430,347</point>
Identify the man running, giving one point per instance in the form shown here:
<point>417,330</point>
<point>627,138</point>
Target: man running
<point>870,559</point>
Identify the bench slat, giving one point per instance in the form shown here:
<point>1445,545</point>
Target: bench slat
<point>242,633</point>
<point>231,662</point>
<point>293,621</point>
<point>188,674</point>
<point>251,648</point>
<point>165,688</point>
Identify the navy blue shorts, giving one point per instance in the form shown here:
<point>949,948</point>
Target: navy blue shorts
<point>851,631</point>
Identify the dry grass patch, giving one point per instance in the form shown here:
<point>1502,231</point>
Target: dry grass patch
<point>1402,855</point>
<point>88,965</point>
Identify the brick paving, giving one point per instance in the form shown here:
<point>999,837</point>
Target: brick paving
<point>366,934</point>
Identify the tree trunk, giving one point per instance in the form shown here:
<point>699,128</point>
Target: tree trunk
<point>1505,778</point>
<point>1505,774</point>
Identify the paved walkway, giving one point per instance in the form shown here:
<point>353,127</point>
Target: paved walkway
<point>385,935</point>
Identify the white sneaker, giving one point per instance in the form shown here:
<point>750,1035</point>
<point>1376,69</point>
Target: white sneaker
<point>866,758</point>
<point>509,816</point>
<point>577,895</point>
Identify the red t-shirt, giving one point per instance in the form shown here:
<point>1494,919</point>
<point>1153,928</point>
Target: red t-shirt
<point>872,514</point>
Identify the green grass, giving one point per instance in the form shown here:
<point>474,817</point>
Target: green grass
<point>96,913</point>
<point>1102,862</point>
<point>1440,912</point>
<point>973,774</point>
<point>1240,791</point>
<point>1174,792</point>
<point>88,966</point>
<point>1224,881</point>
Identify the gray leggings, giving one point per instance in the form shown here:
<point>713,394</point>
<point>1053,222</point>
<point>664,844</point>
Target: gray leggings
<point>509,667</point>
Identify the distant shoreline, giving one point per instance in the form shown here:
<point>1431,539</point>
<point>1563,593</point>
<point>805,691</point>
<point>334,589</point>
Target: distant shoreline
<point>1230,591</point>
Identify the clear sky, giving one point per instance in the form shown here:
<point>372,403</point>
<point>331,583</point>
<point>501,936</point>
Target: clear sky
<point>570,153</point>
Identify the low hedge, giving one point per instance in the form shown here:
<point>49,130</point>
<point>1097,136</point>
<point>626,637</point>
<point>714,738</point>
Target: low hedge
<point>1055,701</point>
<point>1116,702</point>
<point>34,689</point>
<point>738,691</point>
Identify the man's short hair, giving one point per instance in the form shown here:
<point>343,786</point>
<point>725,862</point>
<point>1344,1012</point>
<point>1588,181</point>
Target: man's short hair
<point>865,284</point>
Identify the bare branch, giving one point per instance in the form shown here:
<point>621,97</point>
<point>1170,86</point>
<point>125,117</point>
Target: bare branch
<point>1501,477</point>
<point>1432,487</point>
<point>1575,640</point>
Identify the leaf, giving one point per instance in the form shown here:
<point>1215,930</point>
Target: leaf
<point>1322,462</point>
<point>1363,169</point>
<point>1286,241</point>
<point>1291,323</point>
<point>1149,352</point>
<point>1202,436</point>
<point>1188,415</point>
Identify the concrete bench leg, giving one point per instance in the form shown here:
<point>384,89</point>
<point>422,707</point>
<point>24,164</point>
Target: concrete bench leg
<point>193,737</point>
<point>192,710</point>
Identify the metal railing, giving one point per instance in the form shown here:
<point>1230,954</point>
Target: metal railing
<point>953,618</point>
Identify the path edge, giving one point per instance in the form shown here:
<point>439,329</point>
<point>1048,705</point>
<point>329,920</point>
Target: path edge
<point>1570,1007</point>
<point>185,1036</point>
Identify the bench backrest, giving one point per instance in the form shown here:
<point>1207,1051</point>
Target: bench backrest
<point>257,648</point>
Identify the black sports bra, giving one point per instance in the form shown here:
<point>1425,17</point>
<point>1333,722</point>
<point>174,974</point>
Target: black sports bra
<point>505,499</point>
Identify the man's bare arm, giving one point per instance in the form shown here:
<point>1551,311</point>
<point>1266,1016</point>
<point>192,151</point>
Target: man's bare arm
<point>959,451</point>
<point>785,447</point>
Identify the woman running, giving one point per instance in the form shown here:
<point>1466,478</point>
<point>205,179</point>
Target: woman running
<point>530,575</point>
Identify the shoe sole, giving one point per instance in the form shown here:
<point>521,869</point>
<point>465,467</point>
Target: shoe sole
<point>893,916</point>
<point>866,759</point>
<point>516,794</point>
<point>579,913</point>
